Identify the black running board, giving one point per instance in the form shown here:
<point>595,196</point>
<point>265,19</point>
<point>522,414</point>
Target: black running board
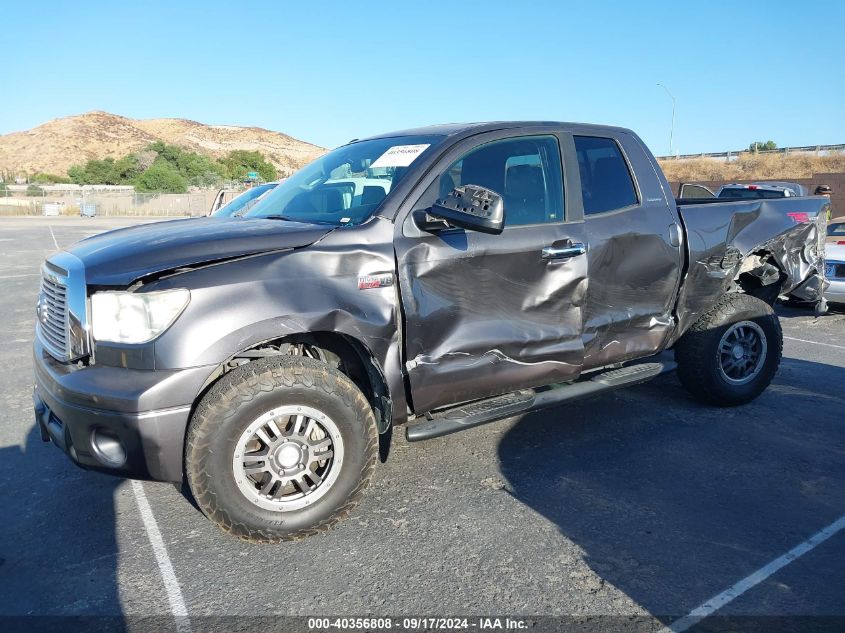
<point>469,415</point>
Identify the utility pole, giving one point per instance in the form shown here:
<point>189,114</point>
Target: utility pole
<point>671,129</point>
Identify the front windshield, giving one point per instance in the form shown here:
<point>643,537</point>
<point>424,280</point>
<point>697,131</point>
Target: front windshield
<point>245,201</point>
<point>345,186</point>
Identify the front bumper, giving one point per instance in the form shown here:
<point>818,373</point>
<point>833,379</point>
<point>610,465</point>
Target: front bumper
<point>125,422</point>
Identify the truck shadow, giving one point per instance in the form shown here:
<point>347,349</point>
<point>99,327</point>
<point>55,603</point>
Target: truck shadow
<point>58,552</point>
<point>673,502</point>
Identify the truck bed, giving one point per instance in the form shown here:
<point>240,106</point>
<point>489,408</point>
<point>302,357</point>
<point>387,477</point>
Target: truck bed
<point>787,233</point>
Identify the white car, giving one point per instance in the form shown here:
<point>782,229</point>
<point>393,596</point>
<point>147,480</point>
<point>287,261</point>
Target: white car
<point>834,268</point>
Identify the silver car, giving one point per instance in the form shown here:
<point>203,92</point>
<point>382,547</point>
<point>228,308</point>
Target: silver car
<point>834,268</point>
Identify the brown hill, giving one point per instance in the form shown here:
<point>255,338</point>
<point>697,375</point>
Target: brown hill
<point>60,143</point>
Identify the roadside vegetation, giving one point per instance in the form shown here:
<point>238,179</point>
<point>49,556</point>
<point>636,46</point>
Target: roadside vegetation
<point>166,169</point>
<point>752,166</point>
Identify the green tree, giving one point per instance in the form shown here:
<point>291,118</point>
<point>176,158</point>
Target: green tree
<point>4,190</point>
<point>161,177</point>
<point>76,173</point>
<point>761,146</point>
<point>175,169</point>
<point>239,162</point>
<point>199,170</point>
<point>127,168</point>
<point>34,190</point>
<point>95,172</point>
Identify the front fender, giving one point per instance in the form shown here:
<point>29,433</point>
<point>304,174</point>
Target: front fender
<point>241,304</point>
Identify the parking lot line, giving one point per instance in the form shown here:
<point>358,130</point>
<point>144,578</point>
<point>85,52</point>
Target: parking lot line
<point>801,340</point>
<point>53,235</point>
<point>165,566</point>
<point>720,600</point>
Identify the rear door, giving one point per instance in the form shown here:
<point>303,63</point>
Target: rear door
<point>488,314</point>
<point>634,249</point>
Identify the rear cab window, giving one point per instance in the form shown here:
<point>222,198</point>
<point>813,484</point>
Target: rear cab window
<point>606,182</point>
<point>750,194</point>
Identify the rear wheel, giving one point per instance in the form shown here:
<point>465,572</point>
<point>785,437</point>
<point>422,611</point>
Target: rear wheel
<point>732,352</point>
<point>280,448</point>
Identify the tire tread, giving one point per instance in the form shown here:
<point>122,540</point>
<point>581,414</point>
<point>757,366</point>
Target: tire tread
<point>694,351</point>
<point>239,387</point>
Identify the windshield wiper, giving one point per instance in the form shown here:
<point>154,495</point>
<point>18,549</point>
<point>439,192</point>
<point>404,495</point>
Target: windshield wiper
<point>292,219</point>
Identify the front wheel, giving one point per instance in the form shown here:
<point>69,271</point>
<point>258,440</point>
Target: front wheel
<point>280,448</point>
<point>730,355</point>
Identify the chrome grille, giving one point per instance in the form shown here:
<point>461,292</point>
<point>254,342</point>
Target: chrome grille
<point>53,321</point>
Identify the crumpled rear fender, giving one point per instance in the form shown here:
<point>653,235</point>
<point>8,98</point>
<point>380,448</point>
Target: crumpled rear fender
<point>721,237</point>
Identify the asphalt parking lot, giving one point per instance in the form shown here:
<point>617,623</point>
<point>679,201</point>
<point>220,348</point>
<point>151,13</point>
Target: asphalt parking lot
<point>637,503</point>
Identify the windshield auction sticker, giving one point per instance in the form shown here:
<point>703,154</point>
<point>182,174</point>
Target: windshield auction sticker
<point>399,156</point>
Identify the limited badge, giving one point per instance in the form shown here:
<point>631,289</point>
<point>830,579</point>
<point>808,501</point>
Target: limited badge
<point>379,280</point>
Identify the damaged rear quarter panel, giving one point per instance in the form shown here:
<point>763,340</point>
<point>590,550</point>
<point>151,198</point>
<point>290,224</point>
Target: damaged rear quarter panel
<point>720,237</point>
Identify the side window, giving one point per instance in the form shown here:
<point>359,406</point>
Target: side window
<point>606,182</point>
<point>525,171</point>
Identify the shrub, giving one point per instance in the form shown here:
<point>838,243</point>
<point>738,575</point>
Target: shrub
<point>50,179</point>
<point>34,190</point>
<point>174,168</point>
<point>161,177</point>
<point>239,162</point>
<point>95,172</point>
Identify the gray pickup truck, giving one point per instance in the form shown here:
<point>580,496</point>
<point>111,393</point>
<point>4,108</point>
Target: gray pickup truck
<point>438,278</point>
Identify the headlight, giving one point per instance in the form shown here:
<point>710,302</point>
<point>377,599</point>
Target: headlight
<point>129,317</point>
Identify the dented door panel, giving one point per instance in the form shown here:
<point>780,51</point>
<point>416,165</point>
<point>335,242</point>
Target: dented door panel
<point>635,261</point>
<point>634,275</point>
<point>485,314</point>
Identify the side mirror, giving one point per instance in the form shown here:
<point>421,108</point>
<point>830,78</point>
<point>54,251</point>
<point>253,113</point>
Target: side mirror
<point>473,208</point>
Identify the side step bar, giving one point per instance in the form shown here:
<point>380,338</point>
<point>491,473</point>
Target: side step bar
<point>480,412</point>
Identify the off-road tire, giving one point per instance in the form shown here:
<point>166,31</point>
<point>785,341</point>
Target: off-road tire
<point>698,358</point>
<point>246,393</point>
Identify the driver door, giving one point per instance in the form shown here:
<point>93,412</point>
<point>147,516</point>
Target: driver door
<point>488,314</point>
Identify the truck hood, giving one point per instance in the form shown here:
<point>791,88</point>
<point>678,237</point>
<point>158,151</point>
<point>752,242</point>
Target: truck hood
<point>119,257</point>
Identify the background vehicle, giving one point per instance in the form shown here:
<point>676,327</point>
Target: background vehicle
<point>836,232</point>
<point>737,191</point>
<point>442,278</point>
<point>835,263</point>
<point>241,203</point>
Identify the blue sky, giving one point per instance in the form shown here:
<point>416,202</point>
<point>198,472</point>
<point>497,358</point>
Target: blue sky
<point>326,72</point>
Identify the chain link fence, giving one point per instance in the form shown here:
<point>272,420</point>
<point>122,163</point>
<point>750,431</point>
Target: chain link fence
<point>45,200</point>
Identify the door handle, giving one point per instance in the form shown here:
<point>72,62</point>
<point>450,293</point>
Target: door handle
<point>675,235</point>
<point>563,252</point>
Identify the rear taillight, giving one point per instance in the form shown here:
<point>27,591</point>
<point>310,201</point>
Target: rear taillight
<point>841,242</point>
<point>799,217</point>
<point>752,187</point>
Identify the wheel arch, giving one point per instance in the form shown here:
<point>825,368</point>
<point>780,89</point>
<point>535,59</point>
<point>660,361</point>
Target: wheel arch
<point>348,353</point>
<point>760,275</point>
